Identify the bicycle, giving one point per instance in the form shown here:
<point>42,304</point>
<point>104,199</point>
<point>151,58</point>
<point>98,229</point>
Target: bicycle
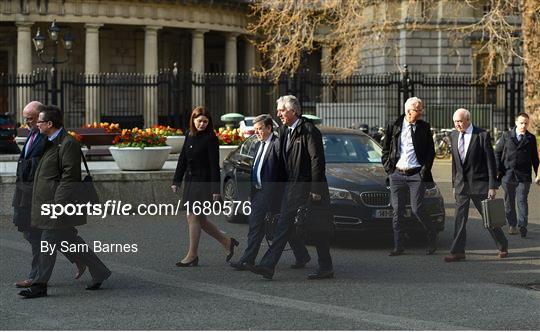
<point>443,146</point>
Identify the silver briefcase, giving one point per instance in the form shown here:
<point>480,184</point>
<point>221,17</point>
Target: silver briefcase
<point>493,213</point>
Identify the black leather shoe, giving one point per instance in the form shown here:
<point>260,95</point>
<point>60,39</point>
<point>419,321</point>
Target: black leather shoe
<point>265,272</point>
<point>396,252</point>
<point>329,274</point>
<point>523,231</point>
<point>33,292</point>
<point>233,244</point>
<point>194,262</point>
<point>95,285</point>
<point>301,264</point>
<point>239,266</point>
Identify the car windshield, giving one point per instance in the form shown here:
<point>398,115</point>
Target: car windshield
<point>345,148</point>
<point>248,122</point>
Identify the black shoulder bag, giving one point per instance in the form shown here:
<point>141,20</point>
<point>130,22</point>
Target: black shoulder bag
<point>85,191</point>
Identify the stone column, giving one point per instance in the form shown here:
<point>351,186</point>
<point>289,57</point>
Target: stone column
<point>91,69</point>
<point>252,92</point>
<point>24,64</point>
<point>326,70</point>
<point>231,69</point>
<point>151,71</point>
<point>197,67</point>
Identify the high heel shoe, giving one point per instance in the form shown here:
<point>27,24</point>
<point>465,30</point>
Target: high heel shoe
<point>233,244</point>
<point>194,262</point>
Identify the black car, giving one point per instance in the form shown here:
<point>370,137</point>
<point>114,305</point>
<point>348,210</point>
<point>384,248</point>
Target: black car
<point>8,132</point>
<point>360,199</point>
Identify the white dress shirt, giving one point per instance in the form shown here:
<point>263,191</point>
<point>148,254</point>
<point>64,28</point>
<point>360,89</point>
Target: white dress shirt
<point>259,168</point>
<point>517,135</point>
<point>407,157</point>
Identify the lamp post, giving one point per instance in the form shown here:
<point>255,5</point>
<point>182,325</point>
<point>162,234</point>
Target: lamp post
<point>39,44</point>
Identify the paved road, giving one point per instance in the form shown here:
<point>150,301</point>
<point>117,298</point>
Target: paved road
<point>371,290</point>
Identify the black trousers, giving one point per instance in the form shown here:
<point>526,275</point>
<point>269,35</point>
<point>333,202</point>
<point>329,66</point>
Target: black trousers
<point>257,230</point>
<point>460,227</point>
<point>256,227</point>
<point>84,255</point>
<point>400,185</point>
<point>33,236</point>
<point>286,231</point>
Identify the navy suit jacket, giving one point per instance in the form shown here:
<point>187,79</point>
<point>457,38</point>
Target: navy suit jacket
<point>26,169</point>
<point>272,174</point>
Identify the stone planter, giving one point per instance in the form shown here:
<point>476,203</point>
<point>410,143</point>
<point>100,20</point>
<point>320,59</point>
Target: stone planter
<point>176,143</point>
<point>224,151</point>
<point>137,159</point>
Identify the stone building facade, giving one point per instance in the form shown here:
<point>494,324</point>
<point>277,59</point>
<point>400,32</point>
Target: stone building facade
<point>207,36</point>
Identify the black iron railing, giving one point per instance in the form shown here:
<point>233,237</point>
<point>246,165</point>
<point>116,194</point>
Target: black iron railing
<point>360,99</point>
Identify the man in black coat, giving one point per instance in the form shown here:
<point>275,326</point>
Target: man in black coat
<point>473,178</point>
<point>303,154</point>
<point>267,180</point>
<point>408,154</point>
<point>516,153</point>
<point>22,198</point>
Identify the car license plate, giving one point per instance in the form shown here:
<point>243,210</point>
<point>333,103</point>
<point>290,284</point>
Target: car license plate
<point>383,214</point>
<point>387,213</point>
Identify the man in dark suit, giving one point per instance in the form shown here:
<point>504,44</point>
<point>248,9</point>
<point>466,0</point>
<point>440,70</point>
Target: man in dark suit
<point>408,154</point>
<point>267,176</point>
<point>473,178</point>
<point>515,154</point>
<point>55,182</point>
<point>303,153</point>
<point>22,198</point>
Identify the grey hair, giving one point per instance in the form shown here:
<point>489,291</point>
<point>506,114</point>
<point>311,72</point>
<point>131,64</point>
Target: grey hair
<point>413,101</point>
<point>464,111</point>
<point>290,103</point>
<point>266,119</point>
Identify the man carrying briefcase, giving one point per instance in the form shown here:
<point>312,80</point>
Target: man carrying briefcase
<point>473,178</point>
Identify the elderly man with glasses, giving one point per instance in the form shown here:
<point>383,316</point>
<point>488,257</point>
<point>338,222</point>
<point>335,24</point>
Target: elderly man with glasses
<point>408,155</point>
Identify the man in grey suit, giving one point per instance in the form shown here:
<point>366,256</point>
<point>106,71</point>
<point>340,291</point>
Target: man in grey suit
<point>473,178</point>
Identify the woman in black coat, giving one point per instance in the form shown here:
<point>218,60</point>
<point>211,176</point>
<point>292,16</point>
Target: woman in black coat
<point>198,166</point>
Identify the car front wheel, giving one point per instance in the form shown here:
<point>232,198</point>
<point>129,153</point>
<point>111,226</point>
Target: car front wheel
<point>230,194</point>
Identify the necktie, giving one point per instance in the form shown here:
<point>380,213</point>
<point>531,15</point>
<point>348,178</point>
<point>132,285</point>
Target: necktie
<point>30,141</point>
<point>520,137</point>
<point>289,135</point>
<point>258,159</point>
<point>461,147</point>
